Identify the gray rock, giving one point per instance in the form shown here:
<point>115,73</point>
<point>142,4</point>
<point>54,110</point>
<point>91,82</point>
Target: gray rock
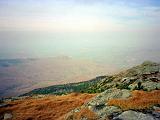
<point>3,105</point>
<point>113,93</point>
<point>103,97</point>
<point>99,106</point>
<point>7,116</point>
<point>38,96</point>
<point>150,67</point>
<point>151,85</point>
<point>132,115</point>
<point>150,70</point>
<point>133,86</point>
<point>156,108</point>
<point>156,114</point>
<point>107,111</point>
<point>128,80</point>
<point>154,79</point>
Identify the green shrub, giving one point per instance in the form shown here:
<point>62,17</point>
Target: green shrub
<point>122,86</point>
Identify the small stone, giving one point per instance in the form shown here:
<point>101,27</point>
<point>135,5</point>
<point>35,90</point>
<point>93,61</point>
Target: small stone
<point>156,114</point>
<point>156,108</point>
<point>7,116</point>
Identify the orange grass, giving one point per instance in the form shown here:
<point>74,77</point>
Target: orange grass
<point>47,108</point>
<point>139,100</point>
<point>83,113</point>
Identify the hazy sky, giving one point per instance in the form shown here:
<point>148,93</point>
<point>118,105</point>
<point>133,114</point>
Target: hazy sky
<point>79,15</point>
<point>94,29</point>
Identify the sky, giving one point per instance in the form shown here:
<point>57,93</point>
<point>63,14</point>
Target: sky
<point>79,15</point>
<point>102,30</point>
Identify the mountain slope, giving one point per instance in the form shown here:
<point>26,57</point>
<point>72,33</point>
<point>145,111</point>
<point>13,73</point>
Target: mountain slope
<point>142,77</point>
<point>133,94</point>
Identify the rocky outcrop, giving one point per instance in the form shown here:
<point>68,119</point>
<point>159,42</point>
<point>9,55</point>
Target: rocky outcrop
<point>142,77</point>
<point>99,106</point>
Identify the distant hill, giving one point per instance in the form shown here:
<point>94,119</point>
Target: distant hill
<point>18,76</point>
<point>67,88</point>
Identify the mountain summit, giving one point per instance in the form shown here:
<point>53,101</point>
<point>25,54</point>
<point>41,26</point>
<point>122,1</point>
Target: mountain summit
<point>133,94</point>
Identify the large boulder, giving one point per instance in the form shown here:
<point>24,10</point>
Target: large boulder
<point>99,106</point>
<point>103,97</point>
<point>133,115</point>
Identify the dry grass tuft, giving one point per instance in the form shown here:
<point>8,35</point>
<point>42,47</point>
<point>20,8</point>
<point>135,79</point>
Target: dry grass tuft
<point>47,108</point>
<point>84,113</point>
<point>139,100</point>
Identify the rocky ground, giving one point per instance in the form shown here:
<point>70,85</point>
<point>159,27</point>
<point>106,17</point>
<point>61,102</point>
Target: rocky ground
<point>103,107</point>
<point>131,95</point>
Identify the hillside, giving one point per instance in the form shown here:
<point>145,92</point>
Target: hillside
<point>133,94</point>
<point>142,77</point>
<point>83,87</point>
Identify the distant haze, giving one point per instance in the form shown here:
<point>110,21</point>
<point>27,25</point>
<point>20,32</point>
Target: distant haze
<point>116,48</point>
<point>121,32</point>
